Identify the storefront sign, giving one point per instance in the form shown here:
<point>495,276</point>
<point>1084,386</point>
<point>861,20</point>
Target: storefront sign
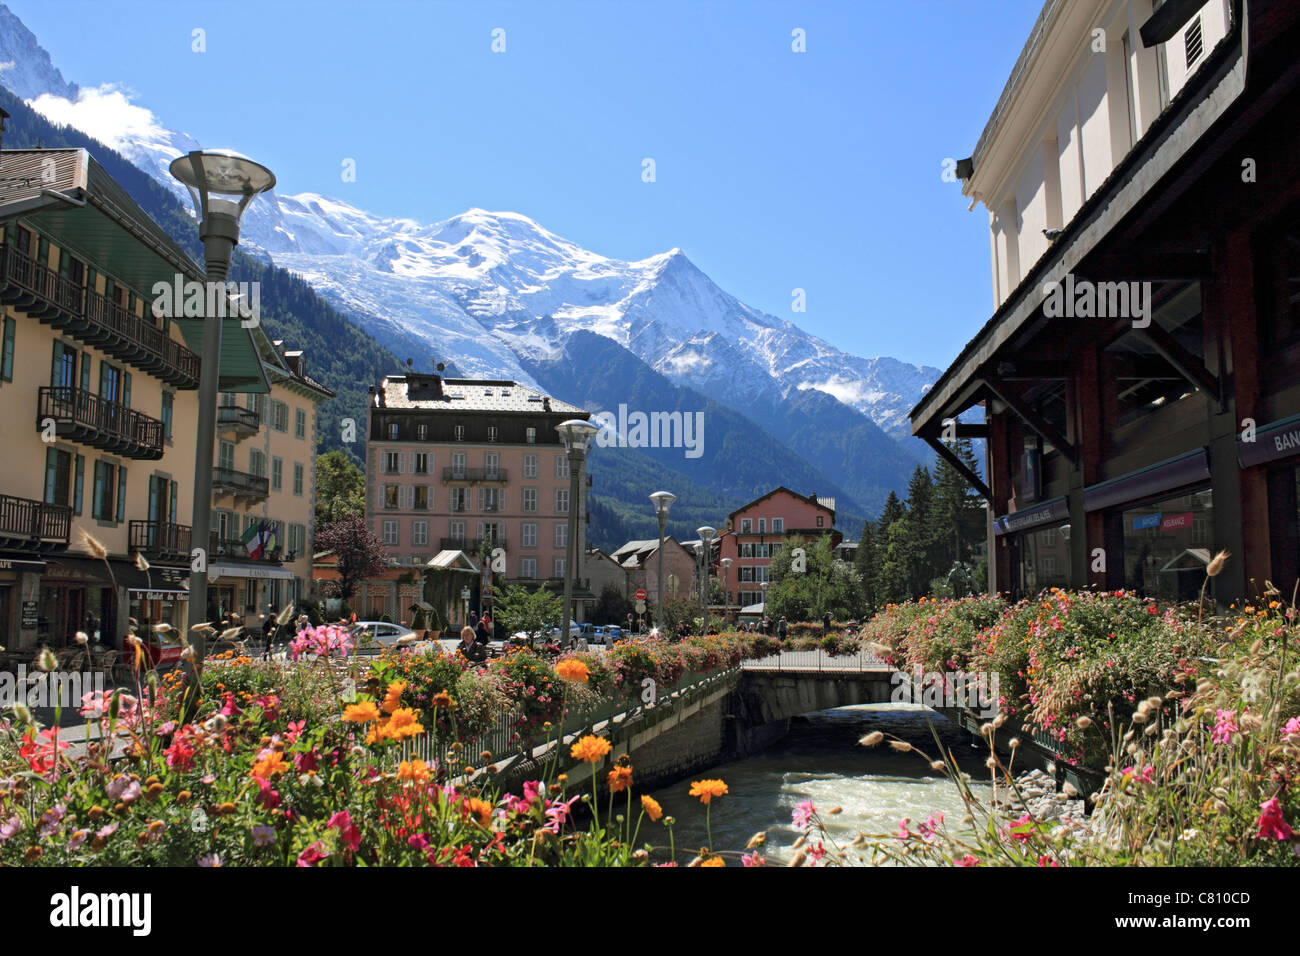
<point>1280,439</point>
<point>30,616</point>
<point>1058,509</point>
<point>1170,522</point>
<point>1167,476</point>
<point>160,595</point>
<point>15,564</point>
<point>1147,521</point>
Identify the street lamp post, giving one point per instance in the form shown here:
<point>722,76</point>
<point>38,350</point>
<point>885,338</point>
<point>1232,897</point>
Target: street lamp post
<point>222,184</point>
<point>726,588</point>
<point>576,433</point>
<point>663,500</point>
<point>707,535</point>
<point>763,585</point>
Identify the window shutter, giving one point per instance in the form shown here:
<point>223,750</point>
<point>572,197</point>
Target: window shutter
<point>51,473</point>
<point>410,462</point>
<point>78,484</point>
<point>85,372</point>
<point>7,360</point>
<point>121,493</point>
<point>171,508</point>
<point>501,499</point>
<point>126,391</point>
<point>54,364</point>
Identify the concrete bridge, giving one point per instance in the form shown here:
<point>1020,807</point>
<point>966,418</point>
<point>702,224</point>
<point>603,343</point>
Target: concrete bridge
<point>717,717</point>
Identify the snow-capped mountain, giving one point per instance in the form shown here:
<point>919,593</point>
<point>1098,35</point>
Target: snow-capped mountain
<point>483,288</point>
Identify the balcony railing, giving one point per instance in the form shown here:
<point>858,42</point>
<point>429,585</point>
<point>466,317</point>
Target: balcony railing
<point>85,417</point>
<point>44,294</point>
<point>235,418</point>
<point>159,538</point>
<point>234,549</point>
<point>470,545</point>
<point>239,483</point>
<point>33,525</point>
<point>453,473</point>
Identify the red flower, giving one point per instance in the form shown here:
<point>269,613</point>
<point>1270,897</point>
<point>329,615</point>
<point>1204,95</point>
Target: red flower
<point>312,855</point>
<point>348,832</point>
<point>1271,824</point>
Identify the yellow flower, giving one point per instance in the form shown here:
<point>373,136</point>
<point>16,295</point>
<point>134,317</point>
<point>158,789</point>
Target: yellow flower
<point>480,809</point>
<point>714,861</point>
<point>393,699</point>
<point>573,669</point>
<point>590,749</point>
<point>441,700</point>
<point>706,790</point>
<point>270,765</point>
<point>651,806</point>
<point>402,724</point>
<point>620,778</point>
<point>362,713</point>
<point>413,771</point>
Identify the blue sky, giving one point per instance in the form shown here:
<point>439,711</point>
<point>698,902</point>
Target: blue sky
<point>775,170</point>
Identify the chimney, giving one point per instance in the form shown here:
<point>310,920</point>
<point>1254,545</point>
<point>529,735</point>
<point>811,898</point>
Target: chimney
<point>4,115</point>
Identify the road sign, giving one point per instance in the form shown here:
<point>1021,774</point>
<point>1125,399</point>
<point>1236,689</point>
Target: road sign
<point>640,607</point>
<point>640,595</point>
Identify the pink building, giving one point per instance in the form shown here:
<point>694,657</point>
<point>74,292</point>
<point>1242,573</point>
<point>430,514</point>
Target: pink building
<point>755,531</point>
<point>455,463</point>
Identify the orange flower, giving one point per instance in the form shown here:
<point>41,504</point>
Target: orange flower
<point>590,749</point>
<point>714,861</point>
<point>620,778</point>
<point>393,699</point>
<point>651,806</point>
<point>706,790</point>
<point>479,809</point>
<point>441,699</point>
<point>269,765</point>
<point>362,713</point>
<point>399,726</point>
<point>413,771</point>
<point>573,669</point>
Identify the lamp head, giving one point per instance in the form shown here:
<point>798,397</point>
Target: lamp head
<point>707,534</point>
<point>221,181</point>
<point>576,433</point>
<point>663,500</point>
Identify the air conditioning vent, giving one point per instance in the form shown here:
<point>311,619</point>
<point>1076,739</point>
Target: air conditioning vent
<point>1193,44</point>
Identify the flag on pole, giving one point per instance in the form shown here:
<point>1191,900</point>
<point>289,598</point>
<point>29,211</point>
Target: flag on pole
<point>255,539</point>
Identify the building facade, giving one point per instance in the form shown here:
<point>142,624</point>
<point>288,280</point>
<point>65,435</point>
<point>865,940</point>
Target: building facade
<point>756,531</point>
<point>264,491</point>
<point>99,396</point>
<point>640,563</point>
<point>1140,375</point>
<point>473,465</point>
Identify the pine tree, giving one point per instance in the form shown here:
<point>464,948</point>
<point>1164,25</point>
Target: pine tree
<point>867,564</point>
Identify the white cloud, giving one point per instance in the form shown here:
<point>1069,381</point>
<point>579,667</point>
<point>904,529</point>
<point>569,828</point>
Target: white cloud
<point>107,114</point>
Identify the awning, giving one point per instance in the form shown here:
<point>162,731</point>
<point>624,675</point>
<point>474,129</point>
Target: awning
<point>1178,472</point>
<point>453,561</point>
<point>1049,512</point>
<point>20,564</point>
<point>247,571</point>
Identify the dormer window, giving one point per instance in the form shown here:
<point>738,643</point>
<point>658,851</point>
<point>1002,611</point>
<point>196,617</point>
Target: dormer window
<point>460,433</point>
<point>530,435</point>
<point>392,431</point>
<point>492,433</point>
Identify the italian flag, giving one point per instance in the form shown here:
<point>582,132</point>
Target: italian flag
<point>257,539</point>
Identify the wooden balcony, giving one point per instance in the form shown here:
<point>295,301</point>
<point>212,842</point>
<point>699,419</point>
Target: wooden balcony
<point>473,475</point>
<point>84,417</point>
<point>237,422</point>
<point>240,484</point>
<point>28,525</point>
<point>85,315</point>
<point>159,539</point>
<point>234,549</point>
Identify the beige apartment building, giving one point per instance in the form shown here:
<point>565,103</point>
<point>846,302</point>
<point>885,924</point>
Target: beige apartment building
<point>98,399</point>
<point>463,464</point>
<point>264,491</point>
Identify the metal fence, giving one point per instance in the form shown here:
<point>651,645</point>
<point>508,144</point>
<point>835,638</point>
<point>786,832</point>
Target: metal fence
<point>818,661</point>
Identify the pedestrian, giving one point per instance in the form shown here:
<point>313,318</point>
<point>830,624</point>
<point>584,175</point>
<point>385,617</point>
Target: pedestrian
<point>268,632</point>
<point>469,647</point>
<point>826,623</point>
<point>484,632</point>
<point>782,629</point>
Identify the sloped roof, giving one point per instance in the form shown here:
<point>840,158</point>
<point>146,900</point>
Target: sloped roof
<point>426,392</point>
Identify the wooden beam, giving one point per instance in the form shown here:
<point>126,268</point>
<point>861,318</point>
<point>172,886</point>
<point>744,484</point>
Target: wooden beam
<point>1187,364</point>
<point>946,454</point>
<point>1030,417</point>
<point>1032,370</point>
<point>1139,265</point>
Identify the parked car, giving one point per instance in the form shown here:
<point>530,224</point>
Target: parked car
<point>614,633</point>
<point>372,637</point>
<point>599,634</point>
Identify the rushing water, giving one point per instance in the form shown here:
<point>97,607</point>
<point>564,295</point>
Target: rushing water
<point>820,760</point>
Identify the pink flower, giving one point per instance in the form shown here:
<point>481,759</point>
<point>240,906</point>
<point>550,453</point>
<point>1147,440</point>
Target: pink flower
<point>803,814</point>
<point>903,832</point>
<point>312,855</point>
<point>263,835</point>
<point>1046,860</point>
<point>557,813</point>
<point>212,859</point>
<point>9,828</point>
<point>1145,775</point>
<point>816,851</point>
<point>417,842</point>
<point>1023,828</point>
<point>77,838</point>
<point>296,728</point>
<point>1225,726</point>
<point>753,859</point>
<point>1271,824</point>
<point>930,826</point>
<point>348,832</point>
<point>967,860</point>
<point>106,831</point>
<point>1292,728</point>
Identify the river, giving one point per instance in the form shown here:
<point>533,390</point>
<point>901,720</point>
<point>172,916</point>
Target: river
<point>820,760</point>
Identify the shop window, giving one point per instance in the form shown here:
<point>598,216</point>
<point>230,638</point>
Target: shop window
<point>1040,559</point>
<point>1145,380</point>
<point>1165,555</point>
